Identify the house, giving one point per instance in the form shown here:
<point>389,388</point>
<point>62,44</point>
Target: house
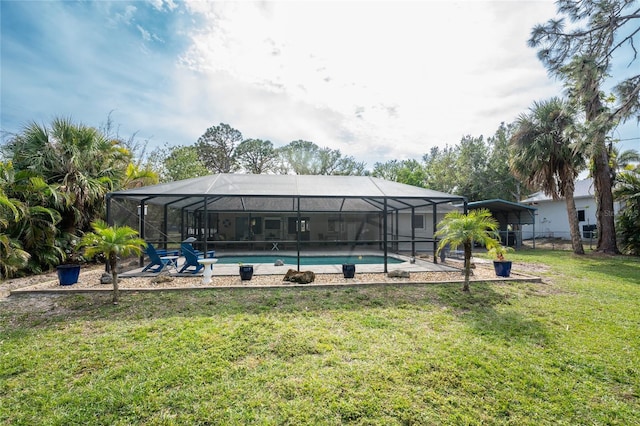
<point>551,218</point>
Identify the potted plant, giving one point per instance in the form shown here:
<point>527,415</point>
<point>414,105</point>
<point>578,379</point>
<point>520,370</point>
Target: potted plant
<point>111,242</point>
<point>246,272</point>
<point>500,264</point>
<point>348,270</point>
<point>69,271</point>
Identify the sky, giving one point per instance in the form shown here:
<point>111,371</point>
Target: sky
<point>378,80</point>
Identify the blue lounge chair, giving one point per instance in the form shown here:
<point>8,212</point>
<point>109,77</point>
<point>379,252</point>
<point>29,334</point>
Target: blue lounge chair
<point>191,257</point>
<point>159,261</point>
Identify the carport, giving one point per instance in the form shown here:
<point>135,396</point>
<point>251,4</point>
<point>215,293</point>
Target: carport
<point>510,216</point>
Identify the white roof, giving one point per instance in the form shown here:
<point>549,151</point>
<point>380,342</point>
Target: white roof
<point>583,189</point>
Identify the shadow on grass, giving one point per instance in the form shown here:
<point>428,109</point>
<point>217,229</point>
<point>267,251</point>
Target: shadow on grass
<point>477,309</point>
<point>626,268</point>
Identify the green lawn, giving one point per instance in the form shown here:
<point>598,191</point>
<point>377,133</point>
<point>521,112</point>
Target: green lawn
<point>566,351</point>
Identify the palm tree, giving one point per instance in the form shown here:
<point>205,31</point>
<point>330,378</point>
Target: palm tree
<point>541,154</point>
<point>34,227</point>
<point>85,163</point>
<point>12,257</point>
<point>628,192</point>
<point>112,242</point>
<point>459,229</point>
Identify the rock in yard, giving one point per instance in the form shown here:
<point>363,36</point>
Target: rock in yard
<point>161,279</point>
<point>278,262</point>
<point>289,274</point>
<point>294,276</point>
<point>106,278</point>
<point>396,273</point>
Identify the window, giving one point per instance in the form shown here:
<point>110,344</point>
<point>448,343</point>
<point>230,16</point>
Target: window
<point>292,225</point>
<point>581,216</point>
<point>418,221</point>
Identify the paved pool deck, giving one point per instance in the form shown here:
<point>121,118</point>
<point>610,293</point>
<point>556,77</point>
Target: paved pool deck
<point>219,269</point>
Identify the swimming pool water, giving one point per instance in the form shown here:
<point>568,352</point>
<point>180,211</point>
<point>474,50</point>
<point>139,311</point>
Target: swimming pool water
<point>307,260</point>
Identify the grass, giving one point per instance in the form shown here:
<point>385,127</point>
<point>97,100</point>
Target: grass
<point>562,352</point>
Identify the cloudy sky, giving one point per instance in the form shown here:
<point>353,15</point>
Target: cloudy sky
<point>377,80</point>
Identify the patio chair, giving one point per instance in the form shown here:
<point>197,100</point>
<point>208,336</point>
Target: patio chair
<point>160,262</point>
<point>191,257</point>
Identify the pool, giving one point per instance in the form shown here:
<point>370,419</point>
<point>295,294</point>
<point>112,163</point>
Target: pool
<point>307,260</point>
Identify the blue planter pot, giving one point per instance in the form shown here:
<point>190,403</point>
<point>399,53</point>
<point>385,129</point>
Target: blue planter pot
<point>68,274</point>
<point>502,267</point>
<point>348,270</point>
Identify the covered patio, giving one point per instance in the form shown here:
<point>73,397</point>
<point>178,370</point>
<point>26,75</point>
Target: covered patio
<point>299,214</point>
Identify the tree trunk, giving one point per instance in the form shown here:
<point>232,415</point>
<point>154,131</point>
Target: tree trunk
<point>467,266</point>
<point>576,241</point>
<point>113,262</point>
<point>602,176</point>
<point>603,181</point>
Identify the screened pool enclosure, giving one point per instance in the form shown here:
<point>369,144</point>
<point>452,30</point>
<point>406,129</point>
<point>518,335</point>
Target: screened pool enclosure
<point>297,214</point>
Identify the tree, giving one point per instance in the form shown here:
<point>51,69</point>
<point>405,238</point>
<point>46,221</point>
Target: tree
<point>177,163</point>
<point>544,158</point>
<point>440,166</point>
<point>628,193</point>
<point>80,159</point>
<point>136,177</point>
<point>501,183</point>
<point>307,158</point>
<point>256,156</point>
<point>582,56</point>
<point>12,257</point>
<point>459,229</point>
<point>216,148</point>
<point>35,227</point>
<point>113,242</point>
<point>409,172</point>
<point>470,167</point>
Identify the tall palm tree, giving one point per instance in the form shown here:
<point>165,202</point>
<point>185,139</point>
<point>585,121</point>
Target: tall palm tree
<point>541,154</point>
<point>459,229</point>
<point>85,163</point>
<point>112,242</point>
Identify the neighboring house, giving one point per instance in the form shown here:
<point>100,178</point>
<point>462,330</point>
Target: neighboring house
<point>551,217</point>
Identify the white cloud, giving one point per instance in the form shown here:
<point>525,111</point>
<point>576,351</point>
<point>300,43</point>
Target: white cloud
<point>375,78</point>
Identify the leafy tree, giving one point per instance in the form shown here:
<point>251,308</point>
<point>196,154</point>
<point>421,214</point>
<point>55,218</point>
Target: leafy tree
<point>500,182</point>
<point>543,156</point>
<point>113,242</point>
<point>471,167</point>
<point>459,229</point>
<point>216,147</point>
<point>177,163</point>
<point>256,156</point>
<point>628,192</point>
<point>307,158</point>
<point>582,55</point>
<point>440,166</point>
<point>387,170</point>
<point>410,172</point>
